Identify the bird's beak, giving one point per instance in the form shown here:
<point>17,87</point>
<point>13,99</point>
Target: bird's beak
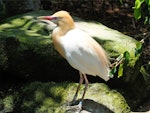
<point>46,18</point>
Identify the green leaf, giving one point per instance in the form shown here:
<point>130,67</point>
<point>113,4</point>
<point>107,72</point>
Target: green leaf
<point>138,3</point>
<point>146,20</point>
<point>137,9</point>
<point>137,13</point>
<point>126,55</point>
<point>138,49</point>
<point>147,2</point>
<point>120,70</point>
<point>113,71</point>
<point>139,45</point>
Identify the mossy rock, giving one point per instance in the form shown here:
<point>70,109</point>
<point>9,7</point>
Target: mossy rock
<point>50,97</point>
<point>27,51</point>
<point>27,46</point>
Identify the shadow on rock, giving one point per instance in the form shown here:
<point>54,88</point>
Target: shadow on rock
<point>90,106</point>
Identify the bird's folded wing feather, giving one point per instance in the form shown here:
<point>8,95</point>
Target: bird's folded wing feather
<point>85,54</point>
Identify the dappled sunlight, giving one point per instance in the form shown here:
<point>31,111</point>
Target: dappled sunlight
<point>55,96</point>
<point>26,29</point>
<point>99,30</point>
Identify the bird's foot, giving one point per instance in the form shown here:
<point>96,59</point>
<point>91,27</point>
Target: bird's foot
<point>75,108</point>
<point>73,102</point>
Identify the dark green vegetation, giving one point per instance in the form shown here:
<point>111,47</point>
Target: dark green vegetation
<point>142,10</point>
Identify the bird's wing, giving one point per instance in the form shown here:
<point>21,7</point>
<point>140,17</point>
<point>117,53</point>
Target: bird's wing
<point>85,54</point>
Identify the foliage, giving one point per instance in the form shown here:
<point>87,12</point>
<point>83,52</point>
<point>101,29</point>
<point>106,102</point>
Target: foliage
<point>120,62</point>
<point>142,10</point>
<point>138,49</point>
<point>123,60</point>
<point>145,69</point>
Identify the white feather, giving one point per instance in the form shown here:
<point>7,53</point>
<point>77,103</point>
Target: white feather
<point>81,54</point>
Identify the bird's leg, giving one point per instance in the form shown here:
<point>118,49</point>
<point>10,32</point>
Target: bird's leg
<point>85,88</point>
<point>80,82</point>
<point>82,77</point>
<point>78,107</point>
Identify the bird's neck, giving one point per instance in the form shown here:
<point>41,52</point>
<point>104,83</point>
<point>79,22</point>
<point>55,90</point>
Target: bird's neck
<point>57,34</point>
<point>61,31</point>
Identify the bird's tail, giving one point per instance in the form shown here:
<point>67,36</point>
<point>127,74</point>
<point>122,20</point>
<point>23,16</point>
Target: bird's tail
<point>108,75</point>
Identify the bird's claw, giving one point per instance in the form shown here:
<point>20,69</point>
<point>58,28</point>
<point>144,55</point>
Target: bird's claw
<point>75,108</point>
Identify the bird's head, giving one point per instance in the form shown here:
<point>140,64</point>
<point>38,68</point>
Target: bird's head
<point>61,18</point>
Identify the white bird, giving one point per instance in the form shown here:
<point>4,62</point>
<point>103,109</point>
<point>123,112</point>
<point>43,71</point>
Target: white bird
<point>79,49</point>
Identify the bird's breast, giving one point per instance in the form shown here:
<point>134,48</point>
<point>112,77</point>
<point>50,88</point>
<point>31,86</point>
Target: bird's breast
<point>58,46</point>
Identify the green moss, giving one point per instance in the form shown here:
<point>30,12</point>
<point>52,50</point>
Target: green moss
<point>47,96</point>
<point>50,97</point>
<point>8,102</point>
<point>107,97</point>
<point>26,29</point>
<point>26,43</point>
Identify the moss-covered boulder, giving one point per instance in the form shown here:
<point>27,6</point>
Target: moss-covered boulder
<point>26,51</point>
<point>51,97</point>
<point>115,43</point>
<point>26,46</point>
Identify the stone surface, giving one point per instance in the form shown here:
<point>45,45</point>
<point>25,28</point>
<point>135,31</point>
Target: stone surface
<point>53,97</point>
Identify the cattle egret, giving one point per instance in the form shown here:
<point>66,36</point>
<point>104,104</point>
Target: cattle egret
<point>79,49</point>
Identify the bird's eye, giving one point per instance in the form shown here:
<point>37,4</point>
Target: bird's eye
<point>55,18</point>
<point>58,18</point>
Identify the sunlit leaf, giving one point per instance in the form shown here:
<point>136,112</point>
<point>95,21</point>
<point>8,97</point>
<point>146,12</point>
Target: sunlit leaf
<point>142,9</point>
<point>120,70</point>
<point>138,3</point>
<point>137,9</point>
<point>138,45</point>
<point>138,49</point>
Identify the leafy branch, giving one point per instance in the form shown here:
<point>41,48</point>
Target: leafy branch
<point>120,62</point>
<point>142,9</point>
